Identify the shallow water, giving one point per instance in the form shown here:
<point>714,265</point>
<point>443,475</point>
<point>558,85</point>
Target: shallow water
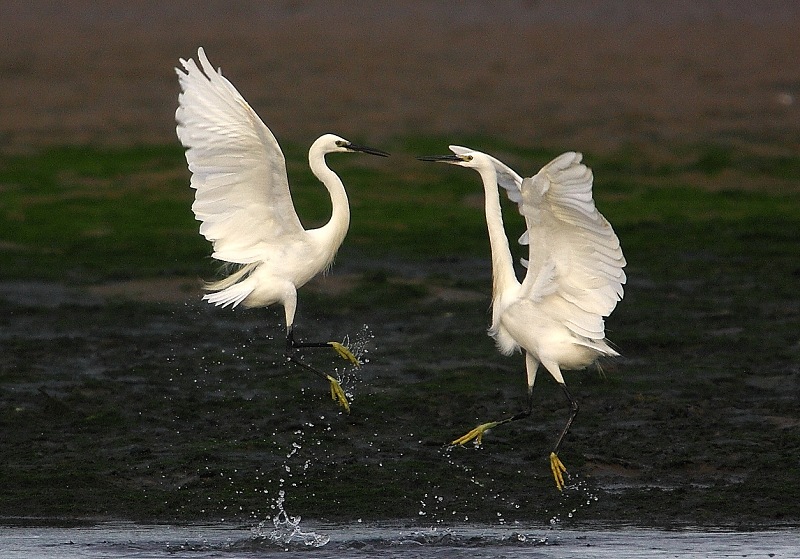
<point>126,540</point>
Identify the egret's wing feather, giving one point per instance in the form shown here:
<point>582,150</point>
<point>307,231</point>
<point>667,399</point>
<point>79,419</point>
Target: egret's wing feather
<point>238,170</point>
<point>507,178</point>
<point>575,263</point>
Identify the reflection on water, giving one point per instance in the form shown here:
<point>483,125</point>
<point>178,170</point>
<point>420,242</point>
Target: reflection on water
<point>391,541</point>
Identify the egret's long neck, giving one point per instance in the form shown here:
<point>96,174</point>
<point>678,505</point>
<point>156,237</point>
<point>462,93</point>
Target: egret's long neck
<point>335,230</point>
<point>502,262</point>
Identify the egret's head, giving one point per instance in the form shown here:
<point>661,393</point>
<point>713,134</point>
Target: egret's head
<point>331,143</point>
<point>464,157</point>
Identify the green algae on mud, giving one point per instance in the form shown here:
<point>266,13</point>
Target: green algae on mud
<point>113,405</point>
<point>92,214</point>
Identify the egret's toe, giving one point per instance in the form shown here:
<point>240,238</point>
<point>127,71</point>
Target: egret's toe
<point>345,353</point>
<point>476,434</point>
<point>558,469</point>
<point>337,394</point>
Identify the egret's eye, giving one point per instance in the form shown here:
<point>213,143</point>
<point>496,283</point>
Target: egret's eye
<point>467,158</point>
<point>341,143</point>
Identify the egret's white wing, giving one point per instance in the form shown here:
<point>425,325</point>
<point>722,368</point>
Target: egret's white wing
<point>575,268</point>
<point>507,178</point>
<point>238,170</point>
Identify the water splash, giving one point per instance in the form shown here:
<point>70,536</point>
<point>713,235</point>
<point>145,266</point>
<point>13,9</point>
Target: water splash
<point>281,529</point>
<point>358,345</point>
<point>284,530</point>
<point>576,495</point>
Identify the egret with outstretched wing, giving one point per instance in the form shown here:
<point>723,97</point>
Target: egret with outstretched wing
<point>555,316</point>
<point>242,199</point>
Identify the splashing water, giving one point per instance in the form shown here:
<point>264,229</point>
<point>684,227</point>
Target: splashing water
<point>511,509</point>
<point>348,376</point>
<point>575,496</point>
<point>285,530</point>
<point>358,345</point>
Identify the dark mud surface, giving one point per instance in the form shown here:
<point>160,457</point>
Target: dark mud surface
<point>119,404</point>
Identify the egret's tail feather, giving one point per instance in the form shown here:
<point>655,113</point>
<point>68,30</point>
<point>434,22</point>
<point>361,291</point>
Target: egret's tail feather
<point>231,296</point>
<point>233,278</point>
<point>229,291</point>
<point>600,346</point>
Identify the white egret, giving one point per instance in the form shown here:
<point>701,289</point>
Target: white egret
<point>574,274</point>
<point>243,201</point>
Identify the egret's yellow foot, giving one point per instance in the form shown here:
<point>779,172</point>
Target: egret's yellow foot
<point>476,433</point>
<point>337,394</point>
<point>558,470</point>
<point>345,353</point>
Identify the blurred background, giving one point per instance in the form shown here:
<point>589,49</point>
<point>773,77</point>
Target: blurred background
<point>587,74</point>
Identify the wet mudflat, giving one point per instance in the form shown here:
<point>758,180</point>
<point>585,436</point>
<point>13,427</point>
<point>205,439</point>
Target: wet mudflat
<point>178,411</point>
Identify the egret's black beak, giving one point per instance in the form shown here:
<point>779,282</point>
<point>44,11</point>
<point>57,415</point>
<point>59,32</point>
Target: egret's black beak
<point>441,158</point>
<point>365,149</point>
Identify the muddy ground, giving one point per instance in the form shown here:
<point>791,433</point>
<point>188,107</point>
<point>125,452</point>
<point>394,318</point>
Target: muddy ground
<point>134,400</point>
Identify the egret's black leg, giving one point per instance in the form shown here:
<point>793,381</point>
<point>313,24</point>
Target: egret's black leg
<point>573,405</point>
<point>478,432</point>
<point>340,349</point>
<point>337,393</point>
<point>291,343</point>
<point>556,466</point>
<point>523,414</point>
